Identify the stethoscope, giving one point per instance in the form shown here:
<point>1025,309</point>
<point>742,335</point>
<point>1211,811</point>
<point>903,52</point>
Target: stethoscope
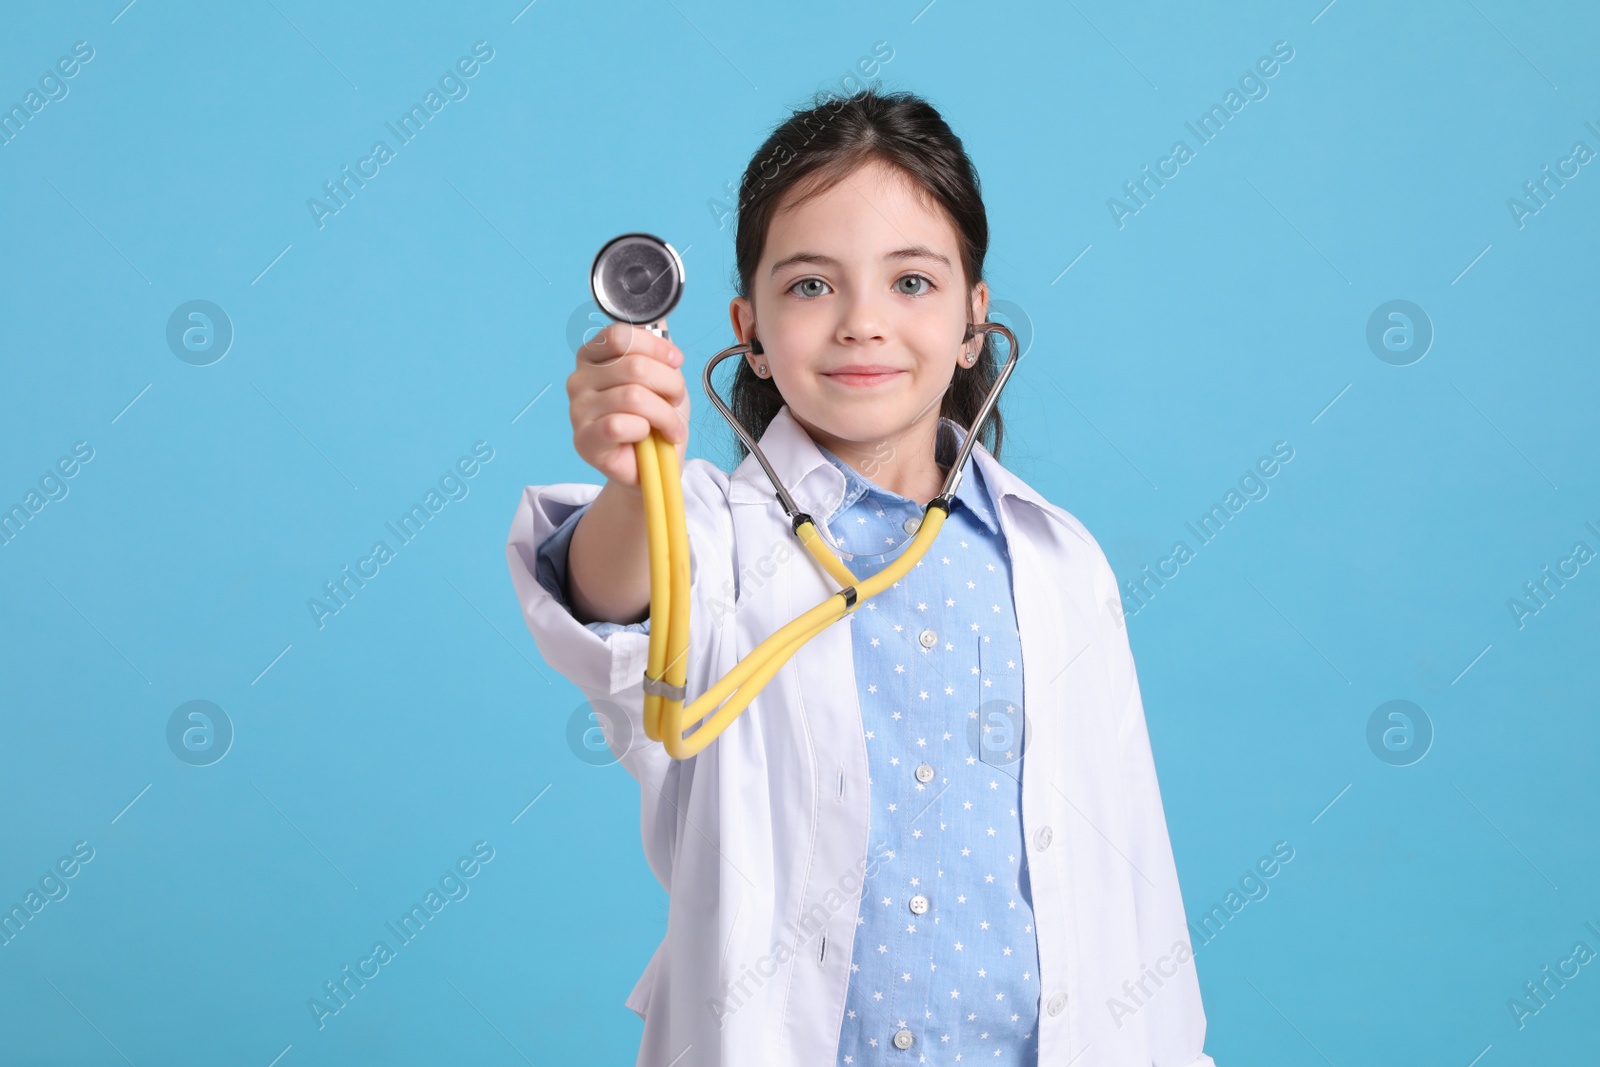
<point>637,279</point>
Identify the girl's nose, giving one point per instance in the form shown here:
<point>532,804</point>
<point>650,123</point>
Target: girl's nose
<point>861,318</point>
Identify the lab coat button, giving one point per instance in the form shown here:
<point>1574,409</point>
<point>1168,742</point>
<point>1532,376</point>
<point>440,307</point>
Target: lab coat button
<point>1041,838</point>
<point>910,526</point>
<point>919,904</point>
<point>924,772</point>
<point>902,1039</point>
<point>928,638</point>
<point>1057,1002</point>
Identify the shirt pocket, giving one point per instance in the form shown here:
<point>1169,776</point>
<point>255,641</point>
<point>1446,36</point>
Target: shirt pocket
<point>1002,734</point>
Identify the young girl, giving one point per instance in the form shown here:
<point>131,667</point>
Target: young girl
<point>936,835</point>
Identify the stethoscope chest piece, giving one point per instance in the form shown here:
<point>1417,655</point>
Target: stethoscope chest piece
<point>637,278</point>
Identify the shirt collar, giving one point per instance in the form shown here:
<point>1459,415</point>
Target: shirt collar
<point>819,487</point>
<point>970,493</point>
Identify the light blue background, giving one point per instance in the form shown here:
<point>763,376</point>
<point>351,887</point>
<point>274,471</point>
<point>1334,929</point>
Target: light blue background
<point>371,753</point>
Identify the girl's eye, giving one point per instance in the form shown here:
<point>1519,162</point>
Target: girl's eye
<point>808,281</point>
<point>927,283</point>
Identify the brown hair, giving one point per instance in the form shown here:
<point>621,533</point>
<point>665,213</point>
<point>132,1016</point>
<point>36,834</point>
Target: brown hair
<point>830,139</point>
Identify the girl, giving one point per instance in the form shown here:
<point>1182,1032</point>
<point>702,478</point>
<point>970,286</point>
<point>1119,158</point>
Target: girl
<point>936,835</point>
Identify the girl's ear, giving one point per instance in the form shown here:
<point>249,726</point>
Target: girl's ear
<point>742,314</point>
<point>980,313</point>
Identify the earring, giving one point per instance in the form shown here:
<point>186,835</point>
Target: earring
<point>762,370</point>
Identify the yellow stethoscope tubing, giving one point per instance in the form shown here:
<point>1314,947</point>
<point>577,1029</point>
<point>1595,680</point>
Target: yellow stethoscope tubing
<point>666,672</point>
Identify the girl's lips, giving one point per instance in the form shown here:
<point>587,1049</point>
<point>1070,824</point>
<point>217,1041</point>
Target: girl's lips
<point>862,379</point>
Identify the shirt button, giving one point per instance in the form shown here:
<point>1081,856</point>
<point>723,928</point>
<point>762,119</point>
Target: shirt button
<point>1057,1002</point>
<point>910,526</point>
<point>902,1039</point>
<point>924,772</point>
<point>1041,838</point>
<point>928,638</point>
<point>919,904</point>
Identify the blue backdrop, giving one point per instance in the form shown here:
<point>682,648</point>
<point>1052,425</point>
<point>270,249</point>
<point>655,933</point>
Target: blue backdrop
<point>227,378</point>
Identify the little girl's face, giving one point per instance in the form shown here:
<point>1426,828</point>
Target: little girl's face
<point>867,273</point>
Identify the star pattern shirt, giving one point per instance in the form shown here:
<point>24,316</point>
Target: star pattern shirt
<point>945,958</point>
<point>945,962</point>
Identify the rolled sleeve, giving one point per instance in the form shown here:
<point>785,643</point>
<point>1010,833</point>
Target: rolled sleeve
<point>552,575</point>
<point>606,661</point>
<point>601,666</point>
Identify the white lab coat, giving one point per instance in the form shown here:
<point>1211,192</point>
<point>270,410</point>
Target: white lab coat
<point>760,840</point>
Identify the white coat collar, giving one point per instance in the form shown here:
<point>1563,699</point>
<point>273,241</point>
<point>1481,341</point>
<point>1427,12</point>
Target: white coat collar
<point>818,486</point>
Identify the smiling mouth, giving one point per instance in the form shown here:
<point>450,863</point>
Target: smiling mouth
<point>855,379</point>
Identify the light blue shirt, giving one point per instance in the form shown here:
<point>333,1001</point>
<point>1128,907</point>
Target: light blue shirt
<point>945,951</point>
<point>945,947</point>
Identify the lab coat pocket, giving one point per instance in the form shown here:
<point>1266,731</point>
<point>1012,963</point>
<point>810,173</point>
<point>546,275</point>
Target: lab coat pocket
<point>1001,725</point>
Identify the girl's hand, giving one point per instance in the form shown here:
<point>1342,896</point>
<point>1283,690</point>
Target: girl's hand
<point>627,383</point>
